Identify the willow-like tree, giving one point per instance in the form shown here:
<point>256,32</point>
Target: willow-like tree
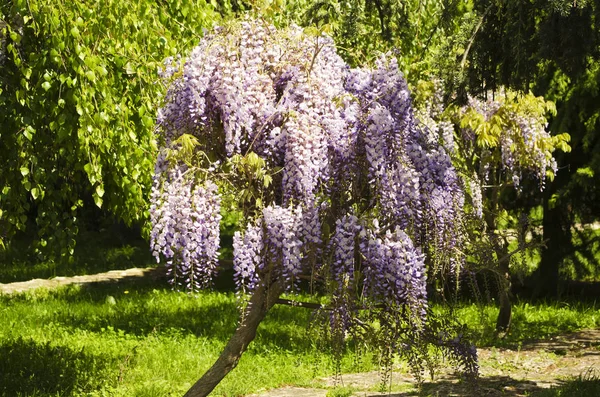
<point>336,180</point>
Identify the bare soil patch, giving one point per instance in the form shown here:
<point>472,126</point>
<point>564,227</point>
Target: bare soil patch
<point>504,372</point>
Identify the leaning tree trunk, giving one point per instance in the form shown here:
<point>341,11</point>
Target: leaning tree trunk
<point>260,303</point>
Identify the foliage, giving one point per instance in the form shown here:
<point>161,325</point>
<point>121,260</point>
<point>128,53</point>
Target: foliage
<point>552,48</point>
<point>497,144</point>
<point>506,137</point>
<point>516,38</point>
<point>419,32</point>
<point>78,91</point>
<point>336,180</point>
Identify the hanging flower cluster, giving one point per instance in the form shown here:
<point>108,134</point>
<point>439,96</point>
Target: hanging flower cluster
<point>185,229</point>
<point>503,139</point>
<point>353,188</point>
<point>524,143</point>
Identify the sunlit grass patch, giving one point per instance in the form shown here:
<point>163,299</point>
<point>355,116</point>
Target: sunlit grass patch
<point>530,321</point>
<point>143,339</point>
<point>586,384</point>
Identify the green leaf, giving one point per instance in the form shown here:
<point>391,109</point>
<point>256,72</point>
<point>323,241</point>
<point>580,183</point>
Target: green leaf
<point>585,172</point>
<point>267,180</point>
<point>147,121</point>
<point>35,193</point>
<point>97,201</point>
<point>14,36</point>
<point>100,190</point>
<point>46,85</point>
<point>129,69</point>
<point>91,76</point>
<point>75,32</point>
<point>24,171</point>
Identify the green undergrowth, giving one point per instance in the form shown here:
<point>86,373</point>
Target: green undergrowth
<point>139,338</point>
<point>110,248</point>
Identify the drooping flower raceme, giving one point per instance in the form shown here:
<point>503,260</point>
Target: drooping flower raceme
<point>186,229</point>
<point>525,144</point>
<point>353,188</point>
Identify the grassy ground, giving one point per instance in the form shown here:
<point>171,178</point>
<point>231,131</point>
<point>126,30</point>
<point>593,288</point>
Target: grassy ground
<point>126,339</point>
<point>113,248</point>
<point>145,340</point>
<point>530,321</point>
<point>586,385</point>
<point>139,338</point>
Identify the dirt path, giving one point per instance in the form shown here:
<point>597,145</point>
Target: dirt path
<point>113,275</point>
<point>504,372</point>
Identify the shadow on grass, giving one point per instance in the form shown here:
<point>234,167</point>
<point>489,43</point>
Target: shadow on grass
<point>504,386</point>
<point>146,305</point>
<point>28,368</point>
<point>487,386</point>
<point>584,385</point>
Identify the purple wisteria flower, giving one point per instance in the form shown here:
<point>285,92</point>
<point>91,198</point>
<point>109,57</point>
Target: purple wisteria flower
<point>359,193</point>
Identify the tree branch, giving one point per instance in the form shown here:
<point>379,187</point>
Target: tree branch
<point>472,39</point>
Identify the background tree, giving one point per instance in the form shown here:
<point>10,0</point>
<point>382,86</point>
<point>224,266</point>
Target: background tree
<point>552,49</point>
<point>336,179</point>
<point>78,91</point>
<point>501,147</point>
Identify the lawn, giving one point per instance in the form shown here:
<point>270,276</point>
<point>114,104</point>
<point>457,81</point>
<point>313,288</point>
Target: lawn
<point>139,338</point>
<point>111,248</point>
<point>142,339</point>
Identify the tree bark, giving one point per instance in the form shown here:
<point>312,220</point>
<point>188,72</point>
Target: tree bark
<point>500,246</point>
<point>557,237</point>
<point>504,290</point>
<point>505,314</point>
<point>260,303</point>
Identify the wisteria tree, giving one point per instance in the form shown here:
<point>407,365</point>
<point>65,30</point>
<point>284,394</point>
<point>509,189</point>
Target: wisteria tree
<point>337,182</point>
<point>499,145</point>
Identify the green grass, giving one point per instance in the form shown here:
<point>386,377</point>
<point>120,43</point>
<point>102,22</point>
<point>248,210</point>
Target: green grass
<point>586,385</point>
<point>530,321</point>
<point>147,341</point>
<point>142,339</point>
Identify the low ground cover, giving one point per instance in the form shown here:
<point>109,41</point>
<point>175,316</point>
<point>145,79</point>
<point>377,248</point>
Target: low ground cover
<point>143,339</point>
<point>139,338</point>
<point>110,248</point>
